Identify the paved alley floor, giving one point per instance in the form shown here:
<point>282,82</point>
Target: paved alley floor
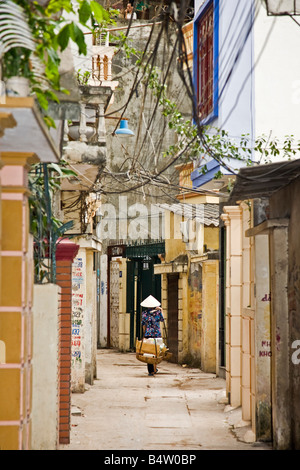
<point>180,408</point>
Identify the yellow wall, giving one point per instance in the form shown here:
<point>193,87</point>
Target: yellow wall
<point>209,338</point>
<point>197,327</point>
<point>174,245</point>
<point>15,303</point>
<point>194,294</point>
<point>211,238</point>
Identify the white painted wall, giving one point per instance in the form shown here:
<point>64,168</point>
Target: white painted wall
<point>277,75</point>
<point>90,326</point>
<point>45,386</point>
<point>259,71</point>
<point>84,317</point>
<point>235,80</point>
<point>236,87</point>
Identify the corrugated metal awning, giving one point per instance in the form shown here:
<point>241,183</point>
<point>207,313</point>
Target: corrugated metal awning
<point>207,214</point>
<point>263,180</point>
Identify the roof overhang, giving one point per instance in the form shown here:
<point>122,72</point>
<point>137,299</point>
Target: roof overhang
<point>263,181</point>
<point>205,174</point>
<point>207,214</point>
<point>30,134</point>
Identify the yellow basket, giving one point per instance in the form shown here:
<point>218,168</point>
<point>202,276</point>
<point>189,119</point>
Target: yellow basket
<point>149,360</point>
<point>142,348</point>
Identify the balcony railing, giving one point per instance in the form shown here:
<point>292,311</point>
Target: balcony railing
<point>102,55</point>
<point>94,100</point>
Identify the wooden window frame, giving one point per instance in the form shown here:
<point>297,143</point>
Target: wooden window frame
<point>206,38</point>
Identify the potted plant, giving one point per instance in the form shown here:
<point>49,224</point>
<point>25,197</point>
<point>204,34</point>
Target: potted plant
<point>17,72</point>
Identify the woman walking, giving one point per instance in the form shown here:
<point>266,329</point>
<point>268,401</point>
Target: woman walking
<point>151,318</point>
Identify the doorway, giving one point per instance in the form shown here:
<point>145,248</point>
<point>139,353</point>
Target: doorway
<point>141,282</point>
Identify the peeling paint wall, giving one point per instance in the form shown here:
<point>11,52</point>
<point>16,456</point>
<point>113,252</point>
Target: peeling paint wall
<point>210,310</point>
<point>114,302</point>
<point>195,312</point>
<point>102,340</point>
<point>285,204</point>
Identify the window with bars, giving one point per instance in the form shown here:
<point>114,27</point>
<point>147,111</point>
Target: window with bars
<point>206,63</point>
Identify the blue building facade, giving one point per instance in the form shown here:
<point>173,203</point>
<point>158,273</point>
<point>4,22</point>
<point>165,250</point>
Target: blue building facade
<point>223,75</point>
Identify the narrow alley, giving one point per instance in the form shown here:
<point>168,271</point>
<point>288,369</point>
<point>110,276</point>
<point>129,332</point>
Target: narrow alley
<point>179,409</point>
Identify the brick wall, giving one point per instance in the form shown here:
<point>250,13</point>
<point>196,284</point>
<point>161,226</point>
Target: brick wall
<point>66,251</point>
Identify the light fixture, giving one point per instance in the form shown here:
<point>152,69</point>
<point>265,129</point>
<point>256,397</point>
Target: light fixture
<point>124,129</point>
<point>283,7</point>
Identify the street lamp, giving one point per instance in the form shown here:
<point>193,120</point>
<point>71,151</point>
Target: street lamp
<point>283,7</point>
<point>124,129</point>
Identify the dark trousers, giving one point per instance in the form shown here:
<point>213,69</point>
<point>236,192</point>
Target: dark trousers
<point>150,368</point>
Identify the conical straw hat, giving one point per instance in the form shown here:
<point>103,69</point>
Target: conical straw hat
<point>150,302</point>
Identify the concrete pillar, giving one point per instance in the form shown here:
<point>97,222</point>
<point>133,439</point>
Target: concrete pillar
<point>263,353</point>
<point>124,317</point>
<point>272,332</point>
<point>90,320</point>
<point>233,223</point>
<point>45,406</point>
<point>84,320</point>
<point>247,322</point>
<point>209,343</point>
<point>101,132</point>
<point>78,331</point>
<point>124,332</point>
<point>183,300</point>
<point>82,124</point>
<point>280,338</point>
<point>182,316</point>
<point>102,340</point>
<point>15,304</point>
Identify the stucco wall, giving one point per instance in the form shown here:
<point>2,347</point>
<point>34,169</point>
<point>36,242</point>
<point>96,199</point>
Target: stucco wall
<point>103,301</point>
<point>285,204</point>
<point>45,367</point>
<point>195,313</point>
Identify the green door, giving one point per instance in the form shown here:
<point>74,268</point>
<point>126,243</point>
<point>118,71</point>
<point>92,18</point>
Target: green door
<point>141,282</point>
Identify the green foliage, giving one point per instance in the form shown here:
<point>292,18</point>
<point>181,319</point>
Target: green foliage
<point>52,33</point>
<point>17,63</point>
<point>43,181</point>
<point>82,78</point>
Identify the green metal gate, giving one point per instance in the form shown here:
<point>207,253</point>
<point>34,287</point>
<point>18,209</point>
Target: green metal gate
<point>141,282</point>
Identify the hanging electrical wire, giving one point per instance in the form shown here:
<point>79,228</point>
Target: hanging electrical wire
<point>165,45</point>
